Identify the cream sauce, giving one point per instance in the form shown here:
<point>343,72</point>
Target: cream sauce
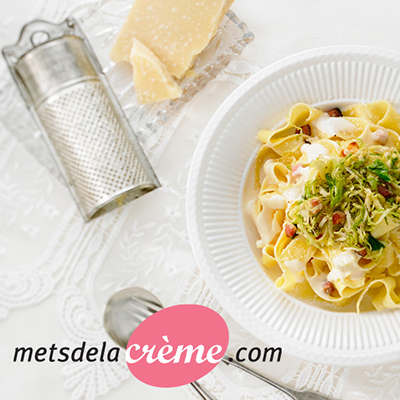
<point>265,221</point>
<point>345,265</point>
<point>332,126</point>
<point>314,150</point>
<point>298,268</point>
<point>295,191</point>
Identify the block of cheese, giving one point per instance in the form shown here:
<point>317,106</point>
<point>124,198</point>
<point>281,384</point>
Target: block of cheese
<point>175,30</point>
<point>152,80</point>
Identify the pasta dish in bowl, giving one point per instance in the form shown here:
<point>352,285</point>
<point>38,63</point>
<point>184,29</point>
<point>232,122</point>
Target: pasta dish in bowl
<point>297,229</point>
<point>328,207</point>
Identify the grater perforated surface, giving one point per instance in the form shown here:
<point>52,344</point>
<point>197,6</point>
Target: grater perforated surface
<point>97,156</point>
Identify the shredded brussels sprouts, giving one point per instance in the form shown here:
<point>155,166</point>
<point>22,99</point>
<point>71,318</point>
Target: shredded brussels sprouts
<point>357,193</point>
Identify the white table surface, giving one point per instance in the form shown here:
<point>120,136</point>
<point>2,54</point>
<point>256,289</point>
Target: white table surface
<point>281,28</point>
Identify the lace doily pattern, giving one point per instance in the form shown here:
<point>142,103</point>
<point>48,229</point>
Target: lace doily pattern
<point>319,378</point>
<point>85,264</point>
<point>87,380</point>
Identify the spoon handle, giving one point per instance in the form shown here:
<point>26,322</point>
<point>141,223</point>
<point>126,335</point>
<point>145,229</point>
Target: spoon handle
<point>293,394</point>
<point>204,393</point>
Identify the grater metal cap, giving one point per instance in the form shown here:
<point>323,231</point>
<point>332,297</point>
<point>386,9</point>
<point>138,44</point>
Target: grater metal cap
<point>54,65</point>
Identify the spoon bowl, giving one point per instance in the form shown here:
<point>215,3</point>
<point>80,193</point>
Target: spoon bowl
<point>126,310</point>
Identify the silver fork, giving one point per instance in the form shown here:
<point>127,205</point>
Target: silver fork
<point>128,308</point>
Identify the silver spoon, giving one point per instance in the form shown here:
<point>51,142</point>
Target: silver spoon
<point>128,308</point>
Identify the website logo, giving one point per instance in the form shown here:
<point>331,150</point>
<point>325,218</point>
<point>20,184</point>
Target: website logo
<point>177,345</point>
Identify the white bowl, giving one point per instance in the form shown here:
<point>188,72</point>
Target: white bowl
<point>223,239</point>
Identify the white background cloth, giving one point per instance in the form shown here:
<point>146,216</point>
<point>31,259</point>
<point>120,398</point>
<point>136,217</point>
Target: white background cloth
<point>146,243</point>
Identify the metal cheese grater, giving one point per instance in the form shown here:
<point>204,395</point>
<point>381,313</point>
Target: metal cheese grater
<point>94,146</point>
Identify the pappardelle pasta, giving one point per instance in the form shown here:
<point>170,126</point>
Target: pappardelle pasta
<point>328,207</point>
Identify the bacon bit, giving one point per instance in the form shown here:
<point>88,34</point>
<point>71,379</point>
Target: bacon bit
<point>381,136</point>
<point>319,236</point>
<point>385,191</point>
<point>351,148</point>
<point>328,287</point>
<point>362,252</point>
<point>296,172</point>
<point>338,218</point>
<point>316,204</point>
<point>290,230</point>
<point>306,129</point>
<point>335,112</point>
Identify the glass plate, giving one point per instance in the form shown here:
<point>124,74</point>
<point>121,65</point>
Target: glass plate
<point>155,123</point>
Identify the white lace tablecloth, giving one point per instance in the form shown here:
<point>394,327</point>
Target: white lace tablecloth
<point>56,272</point>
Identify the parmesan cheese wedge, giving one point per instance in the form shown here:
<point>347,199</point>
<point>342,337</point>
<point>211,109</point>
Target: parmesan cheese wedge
<point>152,80</point>
<point>176,31</point>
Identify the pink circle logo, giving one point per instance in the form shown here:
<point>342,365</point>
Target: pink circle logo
<point>177,345</point>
